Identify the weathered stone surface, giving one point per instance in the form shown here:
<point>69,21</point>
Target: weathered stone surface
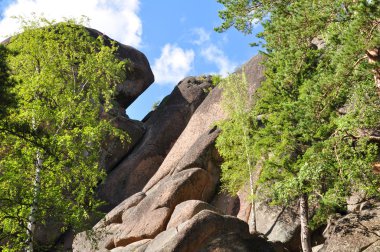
<point>254,71</point>
<point>115,215</point>
<point>207,231</point>
<point>186,210</point>
<point>114,149</point>
<point>105,229</point>
<point>278,223</point>
<point>151,216</point>
<point>100,239</point>
<point>235,243</point>
<point>163,128</point>
<point>138,246</point>
<point>139,74</point>
<point>317,248</point>
<point>226,204</point>
<point>244,204</point>
<point>201,122</point>
<point>355,232</point>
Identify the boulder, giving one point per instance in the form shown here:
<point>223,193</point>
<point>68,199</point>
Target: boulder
<point>254,72</point>
<point>139,246</point>
<point>139,73</point>
<point>116,214</point>
<point>209,231</point>
<point>114,150</point>
<point>151,214</point>
<point>163,128</point>
<point>198,127</point>
<point>355,232</point>
<point>186,210</point>
<point>279,224</point>
<point>100,239</point>
<point>244,204</point>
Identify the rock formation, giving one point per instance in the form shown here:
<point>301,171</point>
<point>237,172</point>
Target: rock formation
<point>163,127</point>
<point>354,232</point>
<point>162,189</point>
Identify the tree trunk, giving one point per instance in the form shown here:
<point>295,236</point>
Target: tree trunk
<point>304,216</point>
<point>252,220</point>
<point>32,216</point>
<point>373,56</point>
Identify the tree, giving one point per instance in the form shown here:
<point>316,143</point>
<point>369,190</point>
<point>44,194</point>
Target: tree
<point>51,141</point>
<point>234,142</point>
<point>319,103</point>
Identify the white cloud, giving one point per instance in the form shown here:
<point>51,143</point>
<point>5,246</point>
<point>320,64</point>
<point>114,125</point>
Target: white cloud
<point>116,18</point>
<point>203,36</point>
<point>215,55</point>
<point>173,65</point>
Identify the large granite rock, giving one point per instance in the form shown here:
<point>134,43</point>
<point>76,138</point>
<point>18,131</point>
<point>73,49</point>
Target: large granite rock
<point>279,224</point>
<point>163,127</point>
<point>209,231</point>
<point>254,72</point>
<point>152,214</point>
<point>193,137</point>
<point>186,210</point>
<point>114,150</point>
<point>355,232</point>
<point>205,232</point>
<point>139,73</point>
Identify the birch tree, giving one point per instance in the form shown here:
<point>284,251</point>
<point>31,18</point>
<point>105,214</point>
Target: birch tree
<point>51,141</point>
<point>235,143</point>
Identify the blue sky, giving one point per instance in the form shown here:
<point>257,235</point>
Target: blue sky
<point>176,36</point>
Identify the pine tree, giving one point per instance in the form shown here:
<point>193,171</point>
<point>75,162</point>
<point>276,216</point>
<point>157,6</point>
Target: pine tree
<point>319,103</point>
<point>51,141</point>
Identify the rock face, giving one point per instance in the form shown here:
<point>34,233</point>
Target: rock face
<point>355,232</point>
<point>163,127</point>
<point>140,75</point>
<point>205,231</point>
<point>209,231</point>
<point>168,179</point>
<point>279,224</point>
<point>114,149</point>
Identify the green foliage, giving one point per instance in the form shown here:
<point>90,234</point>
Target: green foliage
<point>216,79</point>
<point>307,144</point>
<point>155,105</point>
<point>234,142</point>
<point>6,83</point>
<point>65,81</point>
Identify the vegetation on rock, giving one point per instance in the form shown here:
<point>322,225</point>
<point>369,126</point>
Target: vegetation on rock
<point>314,123</point>
<point>51,140</point>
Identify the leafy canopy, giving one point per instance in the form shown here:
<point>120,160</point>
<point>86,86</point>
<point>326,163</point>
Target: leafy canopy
<point>65,80</point>
<point>319,104</point>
